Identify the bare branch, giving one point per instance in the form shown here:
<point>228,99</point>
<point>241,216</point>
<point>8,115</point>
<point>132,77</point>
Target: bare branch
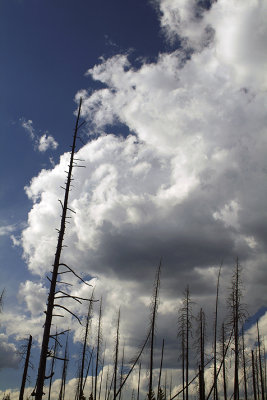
<point>64,308</point>
<point>71,270</point>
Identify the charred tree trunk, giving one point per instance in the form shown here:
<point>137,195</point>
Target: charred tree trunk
<point>223,365</point>
<point>160,370</point>
<point>64,373</point>
<point>244,366</point>
<point>122,369</point>
<point>260,364</point>
<point>52,367</point>
<point>101,380</point>
<point>98,346</point>
<point>154,308</point>
<point>116,355</point>
<point>139,376</point>
<point>215,391</point>
<point>253,375</point>
<point>26,365</point>
<point>88,320</point>
<point>51,297</point>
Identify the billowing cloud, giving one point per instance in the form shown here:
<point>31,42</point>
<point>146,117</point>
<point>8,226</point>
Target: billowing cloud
<point>47,142</point>
<point>41,143</point>
<point>7,229</point>
<point>188,183</point>
<point>9,357</point>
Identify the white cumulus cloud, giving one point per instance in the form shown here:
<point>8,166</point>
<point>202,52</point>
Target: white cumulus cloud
<point>188,184</point>
<point>47,142</point>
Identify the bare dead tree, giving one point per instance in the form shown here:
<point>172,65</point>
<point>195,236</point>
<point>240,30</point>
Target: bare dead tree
<point>98,345</point>
<point>200,349</point>
<point>185,327</point>
<point>260,363</point>
<point>26,366</point>
<point>254,375</point>
<point>215,391</point>
<point>51,305</point>
<point>106,389</point>
<point>64,372</point>
<point>154,309</point>
<point>257,374</point>
<point>116,355</point>
<point>238,314</point>
<point>160,369</point>
<point>53,361</point>
<point>244,366</point>
<point>122,369</point>
<point>85,340</point>
<point>88,367</point>
<point>134,362</point>
<point>182,336</point>
<point>138,385</point>
<point>223,363</point>
<point>165,385</point>
<point>102,372</point>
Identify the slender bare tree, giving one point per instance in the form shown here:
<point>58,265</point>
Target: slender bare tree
<point>51,305</point>
<point>26,365</point>
<point>185,331</point>
<point>98,345</point>
<point>154,309</point>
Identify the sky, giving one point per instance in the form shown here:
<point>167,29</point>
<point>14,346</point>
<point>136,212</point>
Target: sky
<point>174,149</point>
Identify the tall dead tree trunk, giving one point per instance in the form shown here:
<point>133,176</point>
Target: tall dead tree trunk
<point>88,321</point>
<point>116,355</point>
<point>26,365</point>
<point>238,314</point>
<point>102,372</point>
<point>98,346</point>
<point>244,366</point>
<point>223,363</point>
<point>64,372</point>
<point>160,369</point>
<point>52,366</point>
<point>185,327</point>
<point>236,333</point>
<point>154,309</point>
<point>202,356</point>
<point>138,385</point>
<point>50,304</point>
<point>253,375</point>
<point>122,369</point>
<point>260,363</point>
<point>215,391</point>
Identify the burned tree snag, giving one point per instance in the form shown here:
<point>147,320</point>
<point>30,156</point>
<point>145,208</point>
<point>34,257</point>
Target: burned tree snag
<point>53,280</point>
<point>24,377</point>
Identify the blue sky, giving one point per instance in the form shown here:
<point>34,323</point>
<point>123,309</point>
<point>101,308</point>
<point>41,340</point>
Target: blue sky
<point>47,48</point>
<point>174,96</point>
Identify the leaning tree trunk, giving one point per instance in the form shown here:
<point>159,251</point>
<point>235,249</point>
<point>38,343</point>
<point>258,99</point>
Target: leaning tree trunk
<point>50,304</point>
<point>26,365</point>
<point>154,307</point>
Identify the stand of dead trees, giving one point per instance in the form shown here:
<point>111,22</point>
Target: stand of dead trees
<point>230,371</point>
<point>239,372</point>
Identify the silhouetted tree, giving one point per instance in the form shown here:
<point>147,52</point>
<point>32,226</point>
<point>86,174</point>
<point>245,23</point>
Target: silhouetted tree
<point>25,371</point>
<point>45,352</point>
<point>238,313</point>
<point>154,309</point>
<point>185,329</point>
